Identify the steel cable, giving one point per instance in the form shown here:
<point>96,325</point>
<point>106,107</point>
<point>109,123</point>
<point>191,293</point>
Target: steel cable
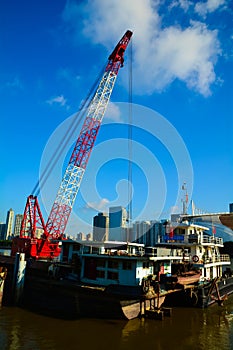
<point>130,150</point>
<point>76,120</point>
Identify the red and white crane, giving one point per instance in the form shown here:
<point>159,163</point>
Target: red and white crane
<point>48,245</point>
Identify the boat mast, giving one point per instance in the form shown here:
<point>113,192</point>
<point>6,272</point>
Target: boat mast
<point>185,199</point>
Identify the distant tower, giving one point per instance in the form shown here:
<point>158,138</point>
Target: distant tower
<point>118,223</point>
<point>100,227</point>
<point>18,221</point>
<point>141,231</point>
<point>155,232</point>
<point>231,207</point>
<point>9,224</point>
<point>2,230</point>
<point>89,236</point>
<point>81,236</point>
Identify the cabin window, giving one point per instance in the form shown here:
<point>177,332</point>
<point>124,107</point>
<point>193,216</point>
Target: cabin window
<point>113,264</point>
<point>95,250</point>
<point>181,231</point>
<point>86,249</point>
<point>100,263</point>
<point>100,274</point>
<point>76,247</point>
<point>127,265</point>
<point>112,275</point>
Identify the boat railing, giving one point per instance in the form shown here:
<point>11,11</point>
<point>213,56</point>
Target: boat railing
<point>217,258</point>
<point>192,238</point>
<point>212,240</point>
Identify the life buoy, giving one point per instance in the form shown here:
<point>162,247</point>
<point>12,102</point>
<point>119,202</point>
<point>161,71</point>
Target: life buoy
<point>195,258</point>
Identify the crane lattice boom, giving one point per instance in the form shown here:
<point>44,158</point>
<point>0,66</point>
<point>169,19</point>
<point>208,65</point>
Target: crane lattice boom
<point>47,245</point>
<point>71,181</point>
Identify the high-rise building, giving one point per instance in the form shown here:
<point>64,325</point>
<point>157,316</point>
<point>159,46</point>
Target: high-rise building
<point>118,224</point>
<point>81,236</point>
<point>101,227</point>
<point>155,233</point>
<point>9,224</point>
<point>148,232</point>
<point>231,207</point>
<point>39,232</point>
<point>2,230</point>
<point>18,221</point>
<point>89,236</point>
<point>140,231</point>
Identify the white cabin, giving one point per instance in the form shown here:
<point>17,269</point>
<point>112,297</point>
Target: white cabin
<point>125,264</point>
<point>111,262</point>
<point>191,243</point>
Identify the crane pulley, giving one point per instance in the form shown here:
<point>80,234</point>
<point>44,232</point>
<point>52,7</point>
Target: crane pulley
<point>47,245</point>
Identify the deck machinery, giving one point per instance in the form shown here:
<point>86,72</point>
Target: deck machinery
<point>48,244</point>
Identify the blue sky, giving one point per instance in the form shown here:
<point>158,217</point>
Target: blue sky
<point>182,63</point>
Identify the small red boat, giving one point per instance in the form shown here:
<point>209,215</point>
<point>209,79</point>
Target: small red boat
<point>189,277</point>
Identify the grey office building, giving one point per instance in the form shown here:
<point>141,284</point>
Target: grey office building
<point>18,221</point>
<point>101,227</point>
<point>118,224</point>
<point>9,224</point>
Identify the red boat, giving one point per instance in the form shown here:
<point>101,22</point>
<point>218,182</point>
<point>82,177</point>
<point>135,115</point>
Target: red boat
<point>189,277</point>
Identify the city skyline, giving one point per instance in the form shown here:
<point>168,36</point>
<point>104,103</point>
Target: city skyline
<point>118,228</point>
<point>182,70</point>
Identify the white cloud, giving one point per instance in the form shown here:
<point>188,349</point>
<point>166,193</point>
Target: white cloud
<point>161,54</point>
<point>188,55</point>
<point>174,210</point>
<point>113,112</point>
<point>60,100</point>
<point>67,75</point>
<point>15,84</point>
<point>184,4</point>
<point>202,8</point>
<point>100,206</point>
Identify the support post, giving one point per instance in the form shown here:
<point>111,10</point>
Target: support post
<point>3,273</point>
<point>18,278</point>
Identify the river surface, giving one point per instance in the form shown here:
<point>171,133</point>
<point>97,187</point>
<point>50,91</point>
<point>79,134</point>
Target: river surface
<point>209,329</point>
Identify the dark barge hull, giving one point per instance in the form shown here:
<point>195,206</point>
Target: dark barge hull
<point>70,300</point>
<point>225,287</point>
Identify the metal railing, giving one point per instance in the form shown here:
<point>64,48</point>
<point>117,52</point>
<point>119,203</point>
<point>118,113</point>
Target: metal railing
<point>192,238</point>
<point>217,258</point>
<point>212,240</point>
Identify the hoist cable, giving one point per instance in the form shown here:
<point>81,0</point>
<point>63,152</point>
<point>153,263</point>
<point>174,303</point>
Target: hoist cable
<point>130,150</point>
<point>67,136</point>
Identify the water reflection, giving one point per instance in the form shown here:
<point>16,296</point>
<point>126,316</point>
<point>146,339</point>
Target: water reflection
<point>185,329</point>
<point>20,329</point>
